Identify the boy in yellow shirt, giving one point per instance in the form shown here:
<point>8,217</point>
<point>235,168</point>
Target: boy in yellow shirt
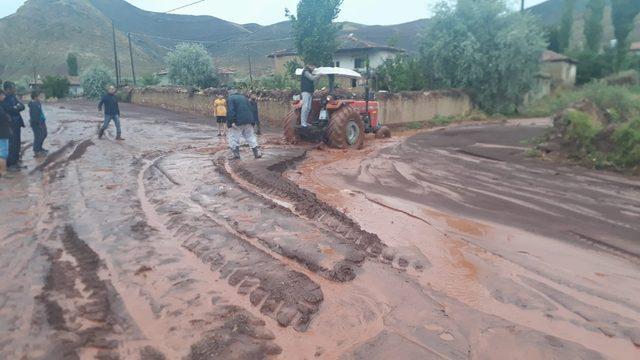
<point>220,112</point>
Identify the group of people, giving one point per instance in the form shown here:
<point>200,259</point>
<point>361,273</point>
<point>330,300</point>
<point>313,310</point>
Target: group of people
<point>240,114</point>
<point>11,124</point>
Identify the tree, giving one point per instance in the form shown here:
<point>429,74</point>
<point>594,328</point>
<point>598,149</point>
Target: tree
<point>56,86</point>
<point>566,25</point>
<point>72,64</point>
<point>485,48</point>
<point>190,65</point>
<point>402,73</point>
<point>623,13</point>
<point>95,81</point>
<point>314,31</point>
<point>553,38</point>
<point>593,25</point>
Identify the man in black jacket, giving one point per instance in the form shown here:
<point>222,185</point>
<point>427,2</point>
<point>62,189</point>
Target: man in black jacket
<point>37,120</point>
<point>5,135</point>
<point>307,87</point>
<point>13,107</point>
<point>240,121</point>
<point>111,112</point>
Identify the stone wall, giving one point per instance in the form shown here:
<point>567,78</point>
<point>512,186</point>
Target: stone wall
<point>396,109</point>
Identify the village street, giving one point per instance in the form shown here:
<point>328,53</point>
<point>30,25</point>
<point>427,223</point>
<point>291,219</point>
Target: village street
<point>448,243</point>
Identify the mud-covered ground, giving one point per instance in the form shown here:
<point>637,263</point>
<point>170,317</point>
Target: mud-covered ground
<point>446,244</point>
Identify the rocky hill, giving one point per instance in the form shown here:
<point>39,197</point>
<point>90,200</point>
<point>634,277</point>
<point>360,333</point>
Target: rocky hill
<point>32,37</point>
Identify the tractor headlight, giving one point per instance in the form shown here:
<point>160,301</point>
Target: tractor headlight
<point>329,98</point>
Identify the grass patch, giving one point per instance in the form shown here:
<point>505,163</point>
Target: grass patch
<point>627,145</point>
<point>532,153</point>
<point>581,129</point>
<point>621,102</point>
<point>414,125</point>
<point>440,120</point>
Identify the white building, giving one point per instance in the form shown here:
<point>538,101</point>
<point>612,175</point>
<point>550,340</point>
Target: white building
<point>352,54</point>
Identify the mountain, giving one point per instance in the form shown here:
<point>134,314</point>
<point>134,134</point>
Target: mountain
<point>42,32</point>
<point>34,37</point>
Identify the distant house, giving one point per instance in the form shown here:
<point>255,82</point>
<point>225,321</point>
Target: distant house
<point>352,53</point>
<point>281,58</point>
<point>635,48</point>
<point>37,84</point>
<point>561,68</point>
<point>226,75</point>
<point>75,86</point>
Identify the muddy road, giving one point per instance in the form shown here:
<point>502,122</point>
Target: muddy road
<point>445,244</point>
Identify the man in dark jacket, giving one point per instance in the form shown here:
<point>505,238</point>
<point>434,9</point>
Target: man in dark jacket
<point>307,87</point>
<point>5,135</point>
<point>111,112</point>
<point>240,122</point>
<point>37,120</point>
<point>13,107</point>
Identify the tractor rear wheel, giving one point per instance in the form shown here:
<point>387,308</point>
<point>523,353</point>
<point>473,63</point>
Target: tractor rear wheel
<point>290,121</point>
<point>383,132</point>
<point>346,129</point>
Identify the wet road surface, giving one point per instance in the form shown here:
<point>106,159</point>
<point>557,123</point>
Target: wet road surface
<point>449,244</point>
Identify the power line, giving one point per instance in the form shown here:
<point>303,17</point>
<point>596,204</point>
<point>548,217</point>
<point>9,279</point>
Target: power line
<point>213,42</point>
<point>182,7</point>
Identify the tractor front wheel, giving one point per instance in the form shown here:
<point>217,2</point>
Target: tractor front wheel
<point>346,129</point>
<point>290,121</point>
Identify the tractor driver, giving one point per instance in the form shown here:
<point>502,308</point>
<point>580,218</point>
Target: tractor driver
<point>307,87</point>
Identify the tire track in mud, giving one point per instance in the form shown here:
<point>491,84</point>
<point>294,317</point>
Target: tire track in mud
<point>287,296</point>
<point>82,317</point>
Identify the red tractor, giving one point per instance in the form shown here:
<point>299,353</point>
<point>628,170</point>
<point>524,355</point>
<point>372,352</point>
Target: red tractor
<point>338,121</point>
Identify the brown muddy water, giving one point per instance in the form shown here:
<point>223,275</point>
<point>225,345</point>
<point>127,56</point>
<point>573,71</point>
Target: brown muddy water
<point>444,244</point>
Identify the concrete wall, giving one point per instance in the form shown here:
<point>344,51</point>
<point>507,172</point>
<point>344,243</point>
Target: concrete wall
<point>395,109</point>
<point>347,59</point>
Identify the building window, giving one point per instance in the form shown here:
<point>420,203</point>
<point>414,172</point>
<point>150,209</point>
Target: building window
<point>337,64</point>
<point>354,83</point>
<point>359,63</point>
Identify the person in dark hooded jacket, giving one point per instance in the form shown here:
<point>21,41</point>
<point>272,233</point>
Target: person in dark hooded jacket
<point>5,135</point>
<point>13,107</point>
<point>240,122</point>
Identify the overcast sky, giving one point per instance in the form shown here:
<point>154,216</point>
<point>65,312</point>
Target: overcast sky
<point>265,12</point>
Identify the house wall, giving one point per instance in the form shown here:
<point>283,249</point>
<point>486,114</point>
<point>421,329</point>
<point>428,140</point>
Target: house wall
<point>376,58</point>
<point>563,73</point>
<point>395,109</point>
<point>279,63</point>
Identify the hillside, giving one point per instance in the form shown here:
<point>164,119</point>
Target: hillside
<point>550,14</point>
<point>32,37</point>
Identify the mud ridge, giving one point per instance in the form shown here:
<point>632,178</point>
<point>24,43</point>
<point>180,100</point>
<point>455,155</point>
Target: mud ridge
<point>270,180</point>
<point>53,157</point>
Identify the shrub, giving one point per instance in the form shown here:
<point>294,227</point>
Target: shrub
<point>440,120</point>
<point>278,82</point>
<point>627,144</point>
<point>56,86</point>
<point>191,65</point>
<point>581,129</point>
<point>95,80</point>
<point>150,80</point>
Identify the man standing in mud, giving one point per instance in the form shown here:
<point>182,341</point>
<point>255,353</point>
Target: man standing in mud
<point>111,112</point>
<point>13,107</point>
<point>5,135</point>
<point>241,122</point>
<point>307,87</point>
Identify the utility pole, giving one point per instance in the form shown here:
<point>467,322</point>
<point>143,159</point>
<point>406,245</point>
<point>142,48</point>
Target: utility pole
<point>115,55</point>
<point>522,6</point>
<point>133,67</point>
